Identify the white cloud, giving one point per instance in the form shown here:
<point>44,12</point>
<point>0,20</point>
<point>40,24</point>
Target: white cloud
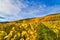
<point>12,10</point>
<point>7,7</point>
<point>42,10</point>
<point>10,7</point>
<point>52,10</point>
<point>33,12</point>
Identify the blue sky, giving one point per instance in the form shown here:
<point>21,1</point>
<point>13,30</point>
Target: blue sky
<point>12,10</point>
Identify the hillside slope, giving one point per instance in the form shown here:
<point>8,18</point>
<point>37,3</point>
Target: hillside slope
<point>51,17</point>
<point>40,28</point>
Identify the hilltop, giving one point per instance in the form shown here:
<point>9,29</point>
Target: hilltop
<point>39,28</point>
<point>51,17</point>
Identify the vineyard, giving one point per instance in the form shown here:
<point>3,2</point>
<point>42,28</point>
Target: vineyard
<point>37,30</point>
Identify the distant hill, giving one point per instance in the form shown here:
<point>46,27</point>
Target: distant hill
<point>51,17</point>
<point>39,28</point>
